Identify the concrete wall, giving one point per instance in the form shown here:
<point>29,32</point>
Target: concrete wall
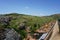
<point>55,30</point>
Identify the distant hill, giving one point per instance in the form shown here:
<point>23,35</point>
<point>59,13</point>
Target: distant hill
<point>31,20</point>
<point>56,16</point>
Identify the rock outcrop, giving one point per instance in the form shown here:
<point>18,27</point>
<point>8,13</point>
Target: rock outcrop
<point>9,34</point>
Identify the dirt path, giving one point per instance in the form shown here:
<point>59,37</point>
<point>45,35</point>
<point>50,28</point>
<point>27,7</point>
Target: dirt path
<point>55,34</point>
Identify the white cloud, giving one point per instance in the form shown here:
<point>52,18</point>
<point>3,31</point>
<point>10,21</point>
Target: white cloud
<point>26,7</point>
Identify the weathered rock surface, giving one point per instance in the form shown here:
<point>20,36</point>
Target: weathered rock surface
<point>9,34</point>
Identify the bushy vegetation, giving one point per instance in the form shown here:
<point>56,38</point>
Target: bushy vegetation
<point>19,21</point>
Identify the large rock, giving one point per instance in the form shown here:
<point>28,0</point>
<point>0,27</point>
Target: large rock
<point>11,34</point>
<point>5,21</point>
<point>22,26</point>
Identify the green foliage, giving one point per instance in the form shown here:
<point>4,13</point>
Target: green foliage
<point>23,33</point>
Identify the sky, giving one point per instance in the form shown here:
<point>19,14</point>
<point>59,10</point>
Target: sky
<point>30,7</point>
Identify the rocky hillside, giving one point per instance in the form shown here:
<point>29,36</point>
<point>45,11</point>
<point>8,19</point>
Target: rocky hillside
<point>23,24</point>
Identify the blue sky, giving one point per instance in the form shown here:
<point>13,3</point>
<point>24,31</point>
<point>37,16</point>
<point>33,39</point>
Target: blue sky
<point>30,7</point>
